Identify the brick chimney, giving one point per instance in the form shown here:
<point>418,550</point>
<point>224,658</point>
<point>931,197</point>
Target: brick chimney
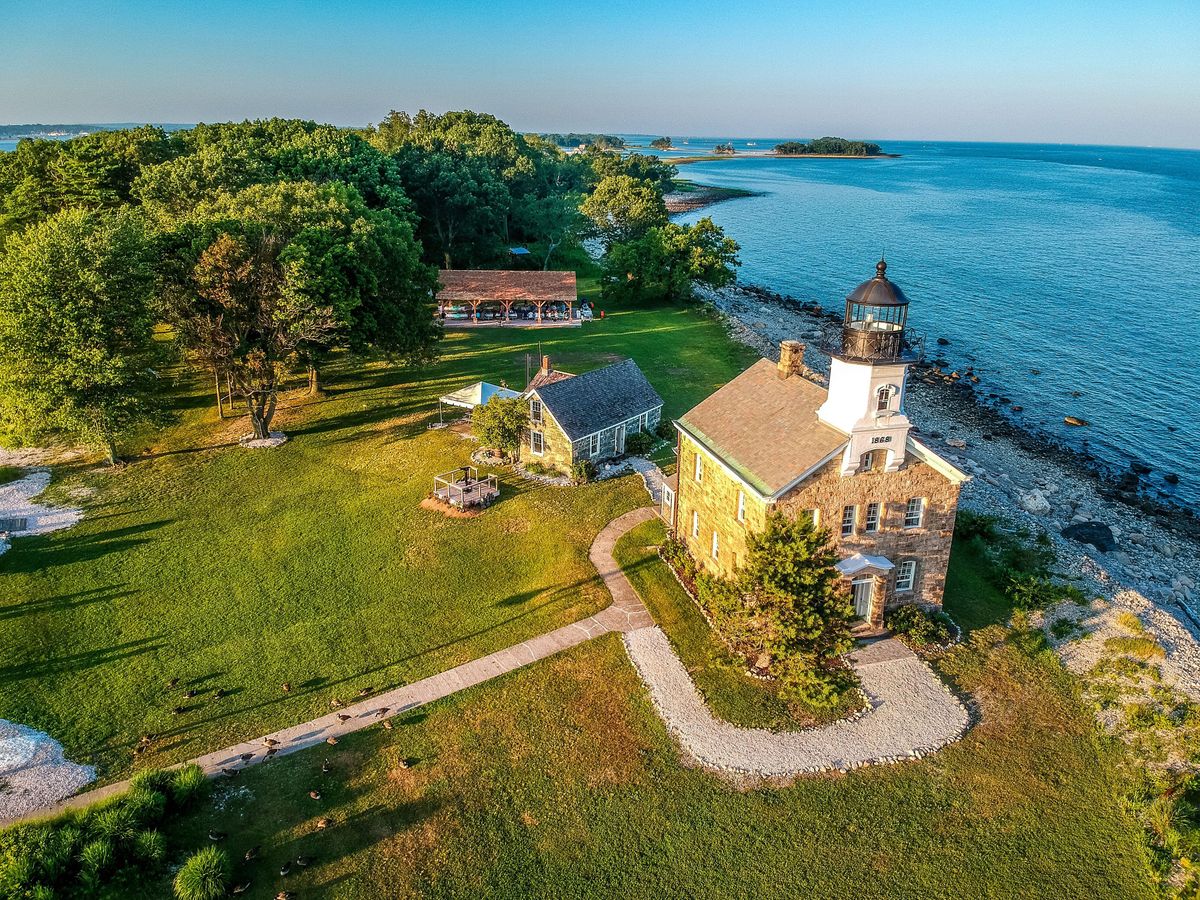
<point>791,359</point>
<point>546,367</point>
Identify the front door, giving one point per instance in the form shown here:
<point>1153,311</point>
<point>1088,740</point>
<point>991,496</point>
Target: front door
<point>620,439</point>
<point>861,590</point>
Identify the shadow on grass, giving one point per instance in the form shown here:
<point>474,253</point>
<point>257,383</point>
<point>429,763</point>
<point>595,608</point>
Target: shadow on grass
<point>77,662</point>
<point>64,602</point>
<point>43,551</point>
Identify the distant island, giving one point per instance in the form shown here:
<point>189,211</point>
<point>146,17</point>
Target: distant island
<point>38,130</point>
<point>572,139</point>
<point>828,146</point>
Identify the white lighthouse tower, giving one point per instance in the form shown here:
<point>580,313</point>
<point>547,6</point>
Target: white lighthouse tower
<point>868,379</point>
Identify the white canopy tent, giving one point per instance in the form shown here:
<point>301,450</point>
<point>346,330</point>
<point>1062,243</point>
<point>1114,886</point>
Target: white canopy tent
<point>474,395</point>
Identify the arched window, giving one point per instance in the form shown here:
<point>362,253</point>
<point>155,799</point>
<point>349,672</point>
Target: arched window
<point>884,397</point>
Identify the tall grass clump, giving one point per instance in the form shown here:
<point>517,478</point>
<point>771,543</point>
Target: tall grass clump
<point>205,876</point>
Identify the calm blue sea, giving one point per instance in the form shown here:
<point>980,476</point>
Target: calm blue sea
<point>1080,262</point>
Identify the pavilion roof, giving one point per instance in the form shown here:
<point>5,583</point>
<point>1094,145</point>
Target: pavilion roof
<point>507,285</point>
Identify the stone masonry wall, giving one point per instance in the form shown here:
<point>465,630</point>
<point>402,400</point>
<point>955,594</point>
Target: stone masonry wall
<point>560,452</point>
<point>929,544</point>
<point>715,498</point>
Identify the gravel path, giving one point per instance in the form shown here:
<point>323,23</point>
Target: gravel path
<point>912,714</point>
<point>16,502</point>
<point>33,771</point>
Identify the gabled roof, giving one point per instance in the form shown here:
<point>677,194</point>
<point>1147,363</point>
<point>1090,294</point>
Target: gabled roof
<point>858,562</point>
<point>765,427</point>
<point>476,394</point>
<point>543,378</point>
<point>598,399</point>
<point>474,285</point>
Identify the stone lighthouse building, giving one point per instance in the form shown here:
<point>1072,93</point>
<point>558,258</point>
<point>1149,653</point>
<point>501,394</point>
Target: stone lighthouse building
<point>776,439</point>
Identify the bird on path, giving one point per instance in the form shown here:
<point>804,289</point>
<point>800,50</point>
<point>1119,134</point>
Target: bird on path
<point>271,742</point>
<point>252,852</point>
<point>382,711</point>
<point>342,717</point>
<point>272,751</point>
<point>217,836</point>
<point>331,740</point>
<point>229,773</point>
<point>316,795</point>
<point>246,757</point>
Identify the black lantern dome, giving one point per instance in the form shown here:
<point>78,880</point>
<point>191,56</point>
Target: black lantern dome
<point>876,313</point>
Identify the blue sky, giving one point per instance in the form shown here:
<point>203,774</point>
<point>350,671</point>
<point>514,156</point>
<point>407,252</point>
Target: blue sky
<point>1100,72</point>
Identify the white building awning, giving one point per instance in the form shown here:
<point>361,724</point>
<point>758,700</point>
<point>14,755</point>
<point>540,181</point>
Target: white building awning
<point>476,394</point>
<point>852,565</point>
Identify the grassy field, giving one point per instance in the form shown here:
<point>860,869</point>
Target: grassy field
<point>311,564</point>
<point>721,676</point>
<point>560,781</point>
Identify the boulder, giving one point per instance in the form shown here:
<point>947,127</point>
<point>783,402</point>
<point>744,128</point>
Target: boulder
<point>1076,422</point>
<point>942,342</point>
<point>1034,502</point>
<point>1097,534</point>
<point>956,443</point>
<point>1171,477</point>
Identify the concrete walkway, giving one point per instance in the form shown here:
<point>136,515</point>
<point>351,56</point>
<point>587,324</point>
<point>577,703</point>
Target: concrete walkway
<point>911,711</point>
<point>624,614</point>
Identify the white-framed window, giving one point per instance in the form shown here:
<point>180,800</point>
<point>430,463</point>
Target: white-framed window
<point>884,397</point>
<point>871,525</point>
<point>914,513</point>
<point>643,421</point>
<point>866,462</point>
<point>715,545</point>
<point>535,410</point>
<point>849,513</point>
<point>695,523</point>
<point>906,576</point>
<point>594,444</point>
<point>537,443</point>
<point>814,516</point>
<point>741,506</point>
<point>698,471</point>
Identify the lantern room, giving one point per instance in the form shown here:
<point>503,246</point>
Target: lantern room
<point>876,313</point>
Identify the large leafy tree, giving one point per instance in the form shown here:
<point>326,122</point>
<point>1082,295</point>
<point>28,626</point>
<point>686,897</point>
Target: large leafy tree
<point>76,342</point>
<point>665,262</point>
<point>623,208</point>
<point>499,423</point>
<point>280,273</point>
<point>640,166</point>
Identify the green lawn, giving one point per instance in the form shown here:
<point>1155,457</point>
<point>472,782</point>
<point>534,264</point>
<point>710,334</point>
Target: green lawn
<point>560,781</point>
<point>721,677</point>
<point>311,564</point>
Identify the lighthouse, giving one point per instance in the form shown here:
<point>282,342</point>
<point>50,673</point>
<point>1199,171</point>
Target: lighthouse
<point>868,378</point>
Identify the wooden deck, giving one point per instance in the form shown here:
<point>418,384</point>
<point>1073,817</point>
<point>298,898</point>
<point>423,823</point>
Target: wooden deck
<point>478,494</point>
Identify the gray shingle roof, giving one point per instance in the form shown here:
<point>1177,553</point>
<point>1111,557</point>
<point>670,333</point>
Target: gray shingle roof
<point>599,399</point>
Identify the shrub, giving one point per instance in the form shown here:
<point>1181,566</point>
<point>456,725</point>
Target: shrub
<point>582,471</point>
<point>1141,647</point>
<point>205,876</point>
<point>1130,622</point>
<point>189,785</point>
<point>970,524</point>
<point>150,846</point>
<point>664,429</point>
<point>145,805</point>
<point>639,443</point>
<point>920,627</point>
<point>117,824</point>
<point>154,779</point>
<point>97,855</point>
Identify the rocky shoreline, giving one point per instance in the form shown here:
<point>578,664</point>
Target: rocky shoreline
<point>1141,550</point>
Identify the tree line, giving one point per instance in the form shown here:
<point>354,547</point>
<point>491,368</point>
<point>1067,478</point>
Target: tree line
<point>266,245</point>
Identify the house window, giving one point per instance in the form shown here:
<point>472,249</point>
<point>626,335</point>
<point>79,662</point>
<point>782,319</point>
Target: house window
<point>698,471</point>
<point>714,546</point>
<point>814,516</point>
<point>906,576</point>
<point>535,410</point>
<point>872,523</point>
<point>741,506</point>
<point>867,462</point>
<point>594,444</point>
<point>848,516</point>
<point>536,442</point>
<point>885,398</point>
<point>643,421</point>
<point>914,513</point>
<point>695,524</point>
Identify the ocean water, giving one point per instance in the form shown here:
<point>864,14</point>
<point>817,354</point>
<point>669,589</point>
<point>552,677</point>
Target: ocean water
<point>1068,276</point>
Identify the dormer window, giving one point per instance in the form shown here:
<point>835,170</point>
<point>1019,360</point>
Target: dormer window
<point>884,398</point>
<point>535,410</point>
